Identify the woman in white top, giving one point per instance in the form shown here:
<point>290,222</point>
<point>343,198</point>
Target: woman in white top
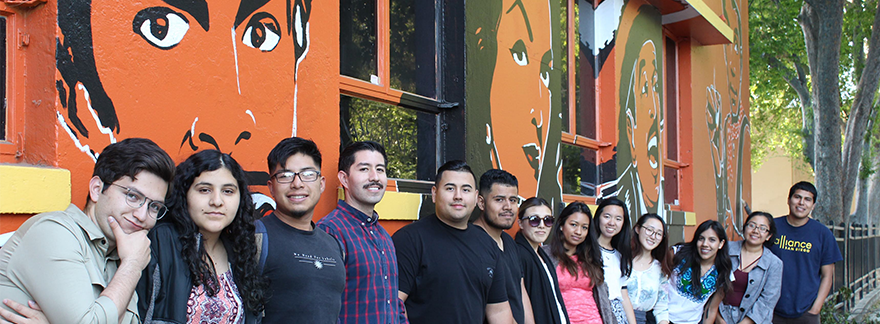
<point>611,231</point>
<point>650,271</point>
<point>701,269</point>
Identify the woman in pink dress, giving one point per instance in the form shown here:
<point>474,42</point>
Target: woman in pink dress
<point>578,266</point>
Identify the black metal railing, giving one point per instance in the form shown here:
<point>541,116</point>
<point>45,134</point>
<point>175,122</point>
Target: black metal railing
<point>860,269</point>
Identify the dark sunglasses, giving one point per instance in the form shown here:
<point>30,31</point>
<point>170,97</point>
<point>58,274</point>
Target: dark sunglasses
<point>535,221</point>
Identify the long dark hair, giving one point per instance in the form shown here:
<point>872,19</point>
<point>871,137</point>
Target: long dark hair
<point>687,257</point>
<point>621,241</point>
<point>660,253</point>
<point>768,243</point>
<point>237,237</point>
<point>589,259</point>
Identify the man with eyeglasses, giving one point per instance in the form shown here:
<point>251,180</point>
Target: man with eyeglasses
<point>82,266</point>
<point>370,294</point>
<point>498,200</point>
<point>450,271</point>
<point>305,265</point>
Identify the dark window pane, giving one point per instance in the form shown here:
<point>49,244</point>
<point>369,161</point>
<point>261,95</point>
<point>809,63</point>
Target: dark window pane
<point>563,68</point>
<point>671,101</point>
<point>585,86</point>
<point>670,185</point>
<point>413,46</point>
<point>409,136</point>
<point>357,39</point>
<point>3,110</point>
<point>579,171</point>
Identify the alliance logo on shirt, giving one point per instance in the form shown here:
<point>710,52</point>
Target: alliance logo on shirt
<point>791,245</point>
<point>319,262</point>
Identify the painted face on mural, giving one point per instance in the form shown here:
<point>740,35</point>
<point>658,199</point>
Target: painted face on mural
<point>520,95</point>
<point>189,75</point>
<point>645,125</point>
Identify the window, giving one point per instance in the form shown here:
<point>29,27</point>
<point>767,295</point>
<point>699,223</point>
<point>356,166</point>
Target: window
<point>389,83</point>
<point>3,104</point>
<point>671,165</point>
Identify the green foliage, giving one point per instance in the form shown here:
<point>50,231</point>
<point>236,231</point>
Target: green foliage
<point>829,315</point>
<point>394,127</point>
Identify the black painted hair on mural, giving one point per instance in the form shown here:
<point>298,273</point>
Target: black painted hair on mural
<point>289,147</point>
<point>688,256</point>
<point>238,237</point>
<point>805,186</point>
<point>496,176</point>
<point>661,252</point>
<point>772,227</point>
<point>131,156</point>
<point>346,157</point>
<point>75,58</point>
<point>620,242</point>
<point>587,254</point>
<point>454,165</point>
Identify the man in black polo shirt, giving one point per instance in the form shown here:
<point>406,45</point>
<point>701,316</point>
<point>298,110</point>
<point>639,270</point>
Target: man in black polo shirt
<point>498,201</point>
<point>451,271</point>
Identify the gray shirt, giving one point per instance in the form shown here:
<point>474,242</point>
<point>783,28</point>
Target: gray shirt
<point>763,291</point>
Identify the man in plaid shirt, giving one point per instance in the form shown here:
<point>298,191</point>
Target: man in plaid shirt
<point>370,294</point>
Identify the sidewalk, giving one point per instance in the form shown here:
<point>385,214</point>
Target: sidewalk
<point>867,308</point>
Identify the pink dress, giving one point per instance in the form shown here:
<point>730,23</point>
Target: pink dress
<point>224,308</point>
<point>578,297</point>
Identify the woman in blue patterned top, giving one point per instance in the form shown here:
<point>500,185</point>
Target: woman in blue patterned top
<point>704,258</point>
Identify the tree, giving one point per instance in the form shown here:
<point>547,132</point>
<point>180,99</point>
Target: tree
<point>832,83</point>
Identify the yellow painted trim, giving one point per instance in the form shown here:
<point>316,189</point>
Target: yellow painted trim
<point>690,219</point>
<point>32,189</point>
<point>395,205</point>
<point>712,18</point>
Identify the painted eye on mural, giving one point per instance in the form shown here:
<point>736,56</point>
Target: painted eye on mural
<point>160,26</point>
<point>519,53</point>
<point>546,66</point>
<point>262,32</point>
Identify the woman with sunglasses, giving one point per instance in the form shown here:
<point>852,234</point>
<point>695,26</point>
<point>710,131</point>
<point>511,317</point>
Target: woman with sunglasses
<point>539,276</point>
<point>204,267</point>
<point>701,268</point>
<point>611,230</point>
<point>758,274</point>
<point>578,265</point>
<point>650,270</point>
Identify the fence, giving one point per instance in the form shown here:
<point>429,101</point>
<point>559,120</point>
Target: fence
<point>860,270</point>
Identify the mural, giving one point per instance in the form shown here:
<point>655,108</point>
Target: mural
<point>640,119</point>
<point>513,106</point>
<point>599,21</point>
<point>187,74</point>
<point>728,131</point>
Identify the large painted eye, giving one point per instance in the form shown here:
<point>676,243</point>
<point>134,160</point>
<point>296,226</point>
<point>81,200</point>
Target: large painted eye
<point>546,66</point>
<point>160,26</point>
<point>520,53</point>
<point>262,32</point>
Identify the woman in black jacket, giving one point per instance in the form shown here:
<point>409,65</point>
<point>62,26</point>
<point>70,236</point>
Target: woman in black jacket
<point>204,266</point>
<point>539,275</point>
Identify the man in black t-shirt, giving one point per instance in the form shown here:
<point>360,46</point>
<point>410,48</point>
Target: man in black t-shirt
<point>305,265</point>
<point>450,271</point>
<point>498,200</point>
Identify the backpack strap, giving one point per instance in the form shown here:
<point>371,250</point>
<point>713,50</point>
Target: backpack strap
<point>262,240</point>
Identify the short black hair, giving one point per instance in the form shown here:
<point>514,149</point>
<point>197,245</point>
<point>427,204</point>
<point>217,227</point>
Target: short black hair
<point>805,186</point>
<point>292,146</point>
<point>130,157</point>
<point>454,165</point>
<point>346,157</point>
<point>493,176</point>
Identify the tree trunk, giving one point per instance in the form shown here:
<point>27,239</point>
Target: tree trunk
<point>822,23</point>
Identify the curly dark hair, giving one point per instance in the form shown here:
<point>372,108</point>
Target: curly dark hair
<point>688,257</point>
<point>238,237</point>
<point>589,258</point>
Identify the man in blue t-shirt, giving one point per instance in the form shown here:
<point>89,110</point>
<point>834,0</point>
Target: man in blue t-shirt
<point>808,252</point>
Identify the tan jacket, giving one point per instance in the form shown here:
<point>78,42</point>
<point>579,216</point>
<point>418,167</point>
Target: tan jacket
<point>62,261</point>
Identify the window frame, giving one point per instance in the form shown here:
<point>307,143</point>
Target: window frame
<point>11,148</point>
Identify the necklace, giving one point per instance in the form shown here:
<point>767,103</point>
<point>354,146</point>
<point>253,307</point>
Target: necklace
<point>743,269</point>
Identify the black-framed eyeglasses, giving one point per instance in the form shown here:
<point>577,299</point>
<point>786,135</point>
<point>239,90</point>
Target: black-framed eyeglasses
<point>761,229</point>
<point>652,232</point>
<point>535,221</point>
<point>304,176</point>
<point>135,199</point>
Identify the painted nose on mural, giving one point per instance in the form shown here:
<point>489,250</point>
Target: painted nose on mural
<point>228,133</point>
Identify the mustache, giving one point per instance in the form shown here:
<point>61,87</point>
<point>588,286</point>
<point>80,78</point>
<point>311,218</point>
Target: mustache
<point>374,183</point>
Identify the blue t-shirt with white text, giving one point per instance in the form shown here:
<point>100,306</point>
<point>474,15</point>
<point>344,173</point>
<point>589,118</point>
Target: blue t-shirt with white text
<point>803,251</point>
